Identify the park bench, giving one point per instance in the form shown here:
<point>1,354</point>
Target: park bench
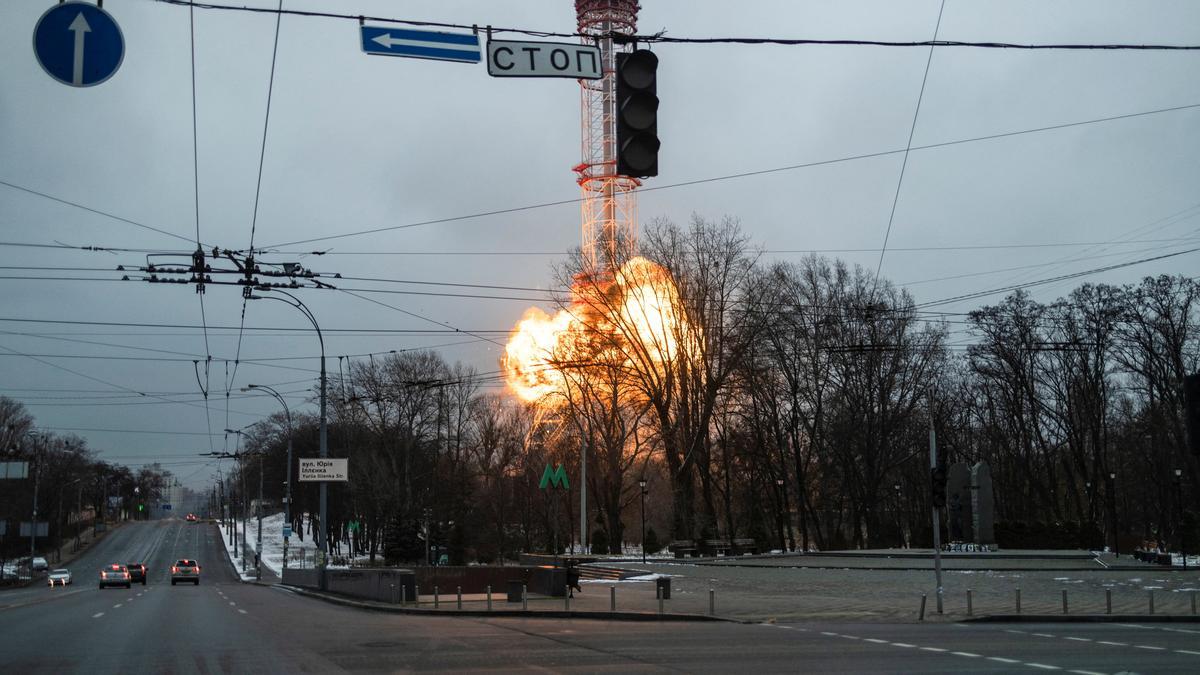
<point>683,548</point>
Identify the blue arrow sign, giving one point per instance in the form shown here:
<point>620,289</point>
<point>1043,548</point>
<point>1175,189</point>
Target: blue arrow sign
<point>421,44</point>
<point>78,44</point>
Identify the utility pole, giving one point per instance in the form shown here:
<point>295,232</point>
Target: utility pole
<point>583,524</point>
<point>937,520</point>
<point>258,555</point>
<point>37,475</point>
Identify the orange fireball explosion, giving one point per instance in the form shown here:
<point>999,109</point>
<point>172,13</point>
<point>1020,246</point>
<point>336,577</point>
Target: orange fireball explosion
<point>636,314</point>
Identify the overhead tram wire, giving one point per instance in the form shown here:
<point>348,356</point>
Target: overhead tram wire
<point>749,174</point>
<point>262,154</point>
<point>94,211</point>
<point>904,164</point>
<point>204,388</point>
<point>661,38</point>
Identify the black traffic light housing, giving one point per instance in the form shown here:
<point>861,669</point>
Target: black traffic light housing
<point>1191,411</point>
<point>637,114</point>
<point>938,485</point>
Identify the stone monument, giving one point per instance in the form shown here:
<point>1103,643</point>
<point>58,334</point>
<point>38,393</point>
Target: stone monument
<point>959,503</point>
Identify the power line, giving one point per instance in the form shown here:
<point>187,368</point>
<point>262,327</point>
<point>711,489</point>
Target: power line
<point>907,149</point>
<point>748,174</point>
<point>660,38</point>
<point>95,211</point>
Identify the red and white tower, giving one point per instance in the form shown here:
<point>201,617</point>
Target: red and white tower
<point>609,212</point>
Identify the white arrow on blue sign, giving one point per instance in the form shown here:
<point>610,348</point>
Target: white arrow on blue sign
<point>78,44</point>
<point>421,44</point>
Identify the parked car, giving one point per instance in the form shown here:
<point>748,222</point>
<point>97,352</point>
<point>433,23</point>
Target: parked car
<point>115,575</point>
<point>137,572</point>
<point>185,570</point>
<point>59,578</point>
<point>39,565</point>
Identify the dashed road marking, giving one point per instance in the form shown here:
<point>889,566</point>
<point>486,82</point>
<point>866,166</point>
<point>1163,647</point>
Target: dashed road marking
<point>876,641</point>
<point>1187,651</point>
<point>1086,672</point>
<point>967,654</point>
<point>1113,644</point>
<point>97,615</point>
<point>1078,639</point>
<point>1001,659</point>
<point>1045,635</point>
<point>232,603</point>
<point>116,605</point>
<point>1150,647</point>
<point>933,649</point>
<point>903,644</point>
<point>1043,666</point>
<point>241,610</point>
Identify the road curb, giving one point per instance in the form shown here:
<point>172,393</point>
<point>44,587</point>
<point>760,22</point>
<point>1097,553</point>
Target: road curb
<point>1084,618</point>
<point>508,613</point>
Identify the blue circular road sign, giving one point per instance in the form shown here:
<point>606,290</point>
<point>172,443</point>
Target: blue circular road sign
<point>78,44</point>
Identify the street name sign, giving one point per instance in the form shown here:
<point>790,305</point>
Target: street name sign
<point>78,44</point>
<point>324,469</point>
<point>166,507</point>
<point>43,529</point>
<point>420,44</point>
<point>543,59</point>
<point>287,531</point>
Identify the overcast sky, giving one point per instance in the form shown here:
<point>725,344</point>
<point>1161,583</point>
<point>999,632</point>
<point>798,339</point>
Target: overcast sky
<point>356,142</point>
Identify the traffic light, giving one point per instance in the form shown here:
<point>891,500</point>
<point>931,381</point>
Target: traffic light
<point>1191,411</point>
<point>938,476</point>
<point>637,114</point>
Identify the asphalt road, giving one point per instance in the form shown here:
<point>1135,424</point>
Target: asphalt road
<point>225,626</point>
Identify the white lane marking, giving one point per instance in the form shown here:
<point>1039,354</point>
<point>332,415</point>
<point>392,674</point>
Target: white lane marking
<point>903,644</point>
<point>232,603</point>
<point>828,634</point>
<point>1001,659</point>
<point>116,605</point>
<point>1114,644</point>
<point>1134,625</point>
<point>97,615</point>
<point>1078,639</point>
<point>1018,632</point>
<point>967,654</point>
<point>241,610</point>
<point>876,641</point>
<point>851,637</point>
<point>1181,630</point>
<point>1150,647</point>
<point>1187,651</point>
<point>933,649</point>
<point>1085,672</point>
<point>1042,635</point>
<point>1043,666</point>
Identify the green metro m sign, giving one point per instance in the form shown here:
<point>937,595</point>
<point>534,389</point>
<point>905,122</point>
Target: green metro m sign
<point>554,477</point>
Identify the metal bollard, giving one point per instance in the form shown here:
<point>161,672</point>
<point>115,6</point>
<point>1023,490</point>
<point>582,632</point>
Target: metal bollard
<point>567,597</point>
<point>658,592</point>
<point>489,594</point>
<point>524,597</point>
<point>921,616</point>
<point>1108,601</point>
<point>1018,601</point>
<point>970,609</point>
<point>1064,592</point>
<point>393,594</point>
<point>459,596</point>
<point>403,596</point>
<point>612,598</point>
<point>436,599</point>
<point>1151,602</point>
<point>712,602</point>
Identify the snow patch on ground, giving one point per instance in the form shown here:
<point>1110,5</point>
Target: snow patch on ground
<point>272,544</point>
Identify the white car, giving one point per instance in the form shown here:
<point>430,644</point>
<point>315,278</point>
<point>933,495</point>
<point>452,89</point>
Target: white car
<point>59,578</point>
<point>39,565</point>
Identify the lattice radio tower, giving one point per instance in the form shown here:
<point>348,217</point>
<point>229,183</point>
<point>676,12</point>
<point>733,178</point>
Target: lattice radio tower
<point>609,212</point>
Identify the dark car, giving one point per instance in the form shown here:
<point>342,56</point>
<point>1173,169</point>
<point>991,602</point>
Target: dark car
<point>137,573</point>
<point>115,575</point>
<point>185,570</point>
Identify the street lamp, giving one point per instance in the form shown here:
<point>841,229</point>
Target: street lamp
<point>899,524</point>
<point>322,544</point>
<point>1179,499</point>
<point>782,540</point>
<point>287,482</point>
<point>642,485</point>
<point>1112,497</point>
